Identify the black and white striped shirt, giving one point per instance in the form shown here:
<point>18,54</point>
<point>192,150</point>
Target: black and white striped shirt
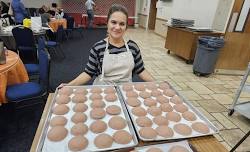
<point>94,65</point>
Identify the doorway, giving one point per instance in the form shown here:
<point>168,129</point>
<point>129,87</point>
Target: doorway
<point>152,15</point>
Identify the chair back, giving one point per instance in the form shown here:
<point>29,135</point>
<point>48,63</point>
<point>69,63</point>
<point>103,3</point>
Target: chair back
<point>70,22</point>
<point>25,44</point>
<point>44,63</point>
<point>60,34</point>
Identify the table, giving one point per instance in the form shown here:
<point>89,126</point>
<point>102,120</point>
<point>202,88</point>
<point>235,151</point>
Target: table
<point>55,23</point>
<point>183,42</point>
<point>9,40</point>
<point>201,144</point>
<point>12,72</point>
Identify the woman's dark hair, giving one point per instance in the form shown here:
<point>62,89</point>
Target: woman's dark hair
<point>41,11</point>
<point>117,8</point>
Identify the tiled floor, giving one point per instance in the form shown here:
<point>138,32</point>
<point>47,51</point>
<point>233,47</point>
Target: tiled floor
<point>212,95</point>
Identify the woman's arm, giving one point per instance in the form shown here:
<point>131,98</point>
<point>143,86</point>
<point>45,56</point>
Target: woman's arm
<point>81,79</point>
<point>146,76</point>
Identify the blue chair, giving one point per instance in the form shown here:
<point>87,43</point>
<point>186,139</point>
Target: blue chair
<point>18,93</point>
<point>54,45</point>
<point>26,48</point>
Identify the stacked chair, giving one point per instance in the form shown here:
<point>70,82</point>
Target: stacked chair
<point>26,48</point>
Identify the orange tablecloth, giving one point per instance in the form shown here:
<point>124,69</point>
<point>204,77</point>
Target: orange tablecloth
<point>54,24</point>
<point>12,72</point>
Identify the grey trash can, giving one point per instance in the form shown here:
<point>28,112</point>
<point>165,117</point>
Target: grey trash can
<point>206,55</point>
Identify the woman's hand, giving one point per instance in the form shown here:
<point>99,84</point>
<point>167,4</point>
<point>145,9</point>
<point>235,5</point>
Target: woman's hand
<point>62,85</point>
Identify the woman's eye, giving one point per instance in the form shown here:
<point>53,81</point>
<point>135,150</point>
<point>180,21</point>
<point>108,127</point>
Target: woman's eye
<point>122,24</point>
<point>113,22</point>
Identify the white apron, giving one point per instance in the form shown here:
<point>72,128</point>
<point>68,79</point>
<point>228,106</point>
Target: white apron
<point>116,68</point>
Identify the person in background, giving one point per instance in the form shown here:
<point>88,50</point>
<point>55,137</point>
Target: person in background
<point>113,59</point>
<point>19,11</point>
<point>44,16</point>
<point>4,8</point>
<point>90,12</point>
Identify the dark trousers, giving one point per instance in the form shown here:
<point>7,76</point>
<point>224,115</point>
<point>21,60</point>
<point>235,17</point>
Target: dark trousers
<point>90,14</point>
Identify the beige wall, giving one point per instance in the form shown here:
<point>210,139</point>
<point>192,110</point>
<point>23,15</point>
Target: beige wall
<point>142,20</point>
<point>160,27</point>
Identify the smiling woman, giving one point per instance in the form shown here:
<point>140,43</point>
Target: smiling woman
<point>113,59</point>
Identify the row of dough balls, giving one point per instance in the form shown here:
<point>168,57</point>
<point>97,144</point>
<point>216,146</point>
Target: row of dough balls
<point>144,86</point>
<point>69,90</point>
<point>167,132</point>
<point>80,142</point>
<point>79,98</point>
<point>176,148</point>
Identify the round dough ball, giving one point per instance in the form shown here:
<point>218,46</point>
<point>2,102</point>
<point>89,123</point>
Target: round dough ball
<point>144,122</point>
<point>98,126</point>
<point>164,131</point>
<point>82,91</point>
<point>131,94</point>
<point>133,102</point>
<point>117,123</point>
<point>79,117</point>
<point>78,143</point>
<point>103,141</point>
<point>169,92</point>
<point>65,90</point>
<point>189,116</point>
<point>127,87</point>
<point>97,104</point>
<point>200,127</point>
<point>111,97</point>
<point>109,90</point>
<point>95,96</point>
<point>176,100</point>
<point>144,94</point>
<point>58,121</point>
<point>60,109</point>
<point>79,129</point>
<point>80,107</point>
<point>140,87</point>
<point>182,129</point>
<point>113,110</point>
<point>154,111</point>
<point>154,149</point>
<point>57,133</point>
<point>156,93</point>
<point>151,86</point>
<point>181,108</point>
<point>173,116</point>
<point>150,102</point>
<point>79,98</point>
<point>139,111</point>
<point>166,107</point>
<point>97,90</point>
<point>178,148</point>
<point>148,133</point>
<point>161,99</point>
<point>62,99</point>
<point>97,113</point>
<point>160,121</point>
<point>164,86</point>
<point>122,137</point>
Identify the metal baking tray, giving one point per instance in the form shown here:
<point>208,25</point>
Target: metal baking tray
<point>64,144</point>
<point>199,115</point>
<point>166,146</point>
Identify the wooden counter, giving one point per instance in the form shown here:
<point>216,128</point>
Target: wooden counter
<point>201,144</point>
<point>183,42</point>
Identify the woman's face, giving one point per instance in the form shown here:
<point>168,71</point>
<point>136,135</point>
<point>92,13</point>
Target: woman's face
<point>117,24</point>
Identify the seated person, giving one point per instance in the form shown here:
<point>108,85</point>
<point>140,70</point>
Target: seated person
<point>44,16</point>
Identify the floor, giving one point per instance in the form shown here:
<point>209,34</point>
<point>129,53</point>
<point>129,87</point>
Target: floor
<point>212,95</point>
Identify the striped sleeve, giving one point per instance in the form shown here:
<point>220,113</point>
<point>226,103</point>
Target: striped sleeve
<point>92,65</point>
<point>139,65</point>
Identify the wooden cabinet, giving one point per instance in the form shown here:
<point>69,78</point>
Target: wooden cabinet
<point>183,42</point>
